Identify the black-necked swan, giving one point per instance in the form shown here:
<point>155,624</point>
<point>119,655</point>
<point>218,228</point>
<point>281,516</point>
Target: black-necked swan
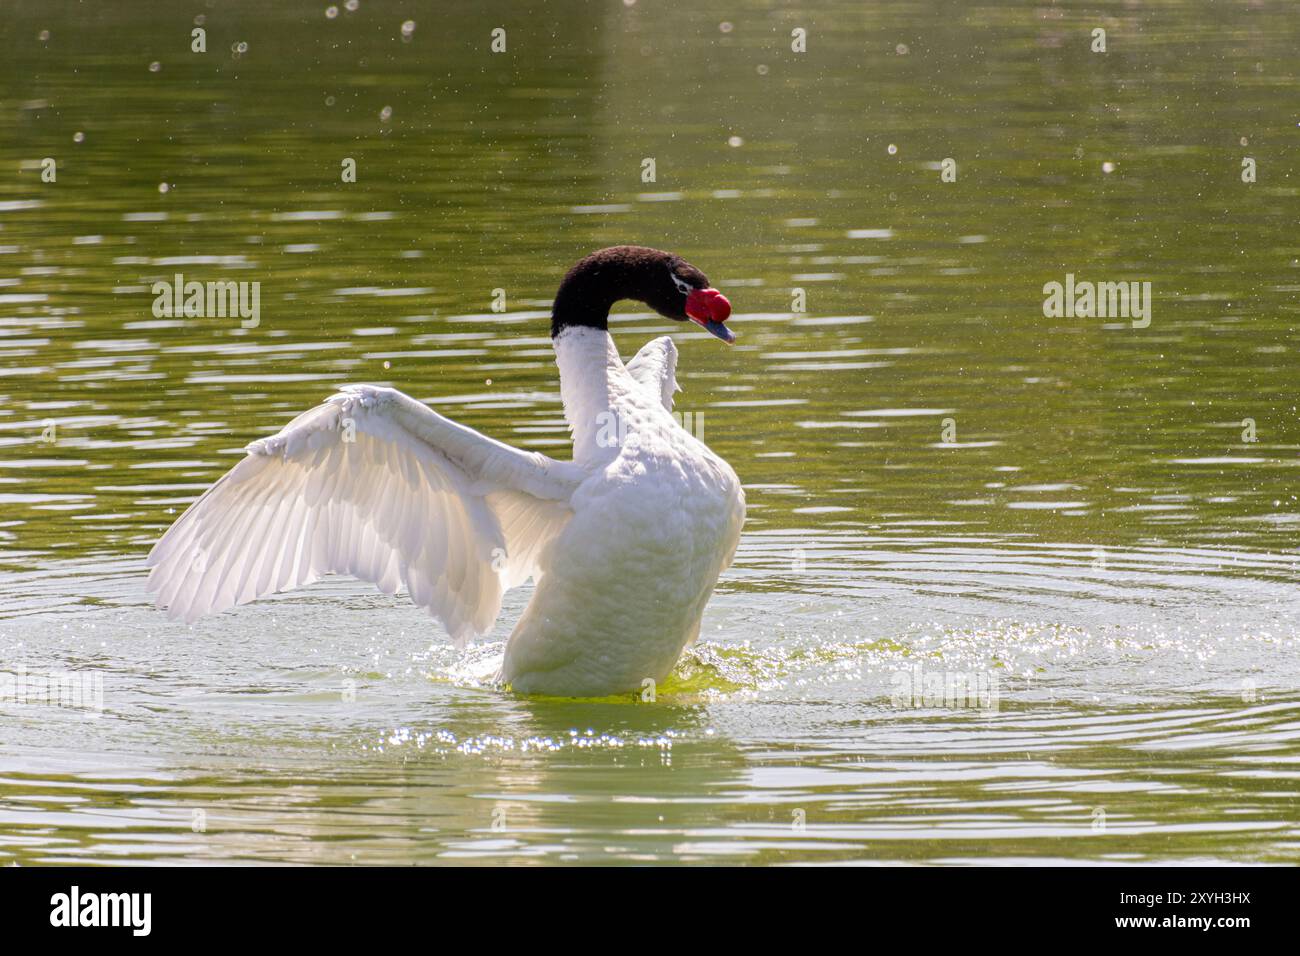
<point>625,542</point>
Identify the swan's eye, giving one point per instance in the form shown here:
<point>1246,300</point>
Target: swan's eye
<point>684,287</point>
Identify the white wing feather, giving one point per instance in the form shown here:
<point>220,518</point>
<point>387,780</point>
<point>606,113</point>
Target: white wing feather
<point>655,368</point>
<point>374,484</point>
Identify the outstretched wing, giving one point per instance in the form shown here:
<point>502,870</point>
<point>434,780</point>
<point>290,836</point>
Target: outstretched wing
<point>374,484</point>
<point>655,367</point>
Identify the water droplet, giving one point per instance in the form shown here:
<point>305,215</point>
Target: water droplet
<point>1108,167</point>
<point>78,137</point>
<point>725,26</point>
<point>408,28</point>
<point>892,149</point>
<point>331,12</point>
<point>155,66</point>
<point>386,114</point>
<point>164,188</point>
<point>735,141</point>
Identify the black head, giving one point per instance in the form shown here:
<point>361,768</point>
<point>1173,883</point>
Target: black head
<point>667,283</point>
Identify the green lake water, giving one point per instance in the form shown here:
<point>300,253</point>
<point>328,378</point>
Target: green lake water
<point>1095,521</point>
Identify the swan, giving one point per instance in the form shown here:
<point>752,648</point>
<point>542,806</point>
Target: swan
<point>625,542</point>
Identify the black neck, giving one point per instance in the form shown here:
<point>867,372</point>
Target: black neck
<point>592,286</point>
<point>581,301</point>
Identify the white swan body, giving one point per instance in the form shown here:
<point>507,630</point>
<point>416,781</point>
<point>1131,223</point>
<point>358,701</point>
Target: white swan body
<point>655,522</point>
